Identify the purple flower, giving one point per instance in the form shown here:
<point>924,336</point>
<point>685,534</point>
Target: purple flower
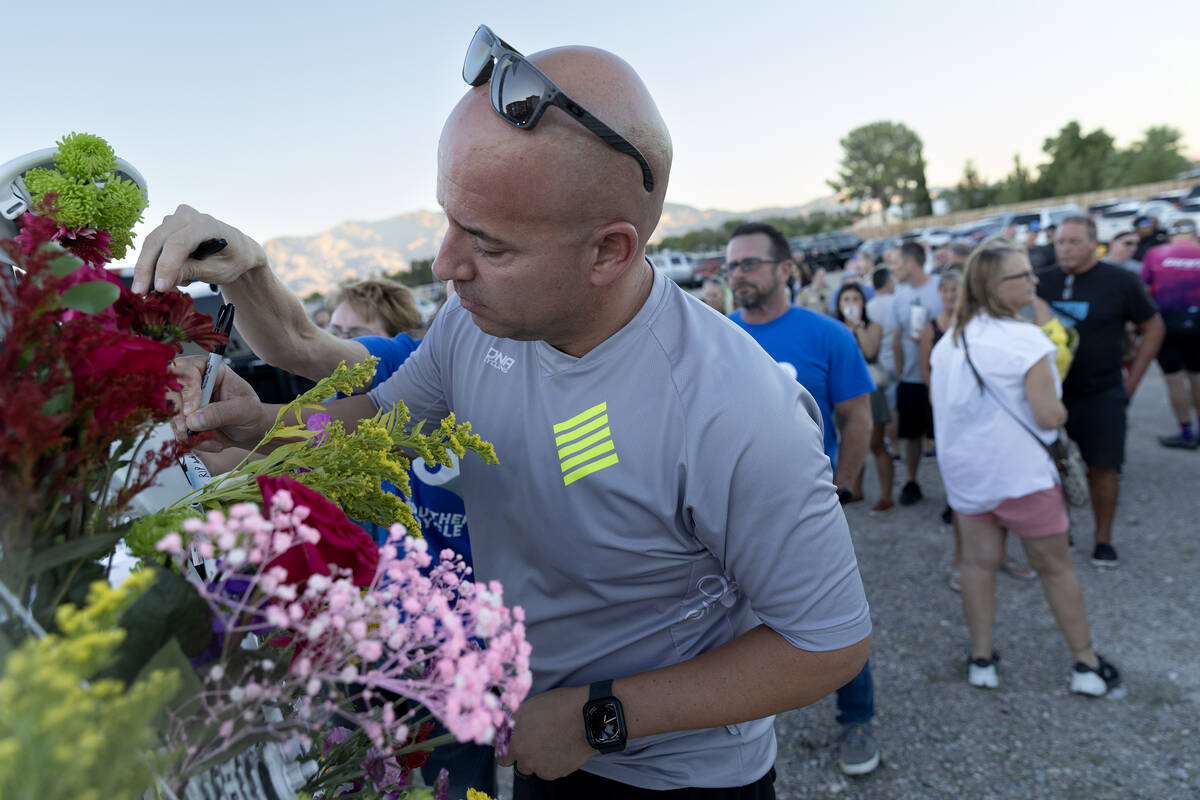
<point>334,738</point>
<point>382,772</point>
<point>317,422</point>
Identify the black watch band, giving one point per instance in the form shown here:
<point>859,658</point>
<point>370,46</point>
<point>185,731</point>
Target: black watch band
<point>604,719</point>
<point>600,690</point>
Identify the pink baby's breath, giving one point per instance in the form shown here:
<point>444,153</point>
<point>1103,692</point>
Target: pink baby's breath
<point>414,631</point>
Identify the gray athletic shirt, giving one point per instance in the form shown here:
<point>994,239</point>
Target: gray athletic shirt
<point>655,498</point>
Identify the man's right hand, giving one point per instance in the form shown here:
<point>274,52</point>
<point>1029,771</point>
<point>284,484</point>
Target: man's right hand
<point>165,254</point>
<point>235,414</point>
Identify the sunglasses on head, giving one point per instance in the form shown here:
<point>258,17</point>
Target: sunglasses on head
<point>521,93</point>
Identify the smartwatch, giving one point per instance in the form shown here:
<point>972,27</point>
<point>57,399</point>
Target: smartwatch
<point>844,495</point>
<point>604,719</point>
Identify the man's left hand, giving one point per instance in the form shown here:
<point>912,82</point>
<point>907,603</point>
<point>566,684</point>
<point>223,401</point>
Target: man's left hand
<point>548,738</point>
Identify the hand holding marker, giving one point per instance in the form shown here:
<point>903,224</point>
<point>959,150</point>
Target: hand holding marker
<point>197,473</point>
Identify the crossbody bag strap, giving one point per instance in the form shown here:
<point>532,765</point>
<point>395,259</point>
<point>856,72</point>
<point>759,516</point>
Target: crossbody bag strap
<point>983,385</point>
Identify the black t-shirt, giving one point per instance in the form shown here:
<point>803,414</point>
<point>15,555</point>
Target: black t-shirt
<point>1153,240</point>
<point>1100,302</point>
<point>1041,256</point>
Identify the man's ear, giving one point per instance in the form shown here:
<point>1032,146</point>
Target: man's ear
<point>616,245</point>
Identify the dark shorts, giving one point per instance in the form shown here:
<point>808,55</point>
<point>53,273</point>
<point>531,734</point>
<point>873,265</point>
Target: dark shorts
<point>916,415</point>
<point>580,785</point>
<point>1097,424</point>
<point>880,414</point>
<point>1180,351</point>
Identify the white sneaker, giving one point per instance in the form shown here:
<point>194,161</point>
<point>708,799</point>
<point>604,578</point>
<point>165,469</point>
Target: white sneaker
<point>1094,681</point>
<point>981,672</point>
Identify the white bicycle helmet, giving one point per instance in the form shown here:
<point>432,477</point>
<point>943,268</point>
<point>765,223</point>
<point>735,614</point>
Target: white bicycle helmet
<point>15,199</point>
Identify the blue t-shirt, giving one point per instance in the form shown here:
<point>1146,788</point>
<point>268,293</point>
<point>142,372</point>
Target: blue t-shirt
<point>819,352</point>
<point>438,509</point>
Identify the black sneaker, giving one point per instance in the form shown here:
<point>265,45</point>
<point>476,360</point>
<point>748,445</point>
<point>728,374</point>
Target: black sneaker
<point>1105,556</point>
<point>1095,681</point>
<point>911,493</point>
<point>1179,443</point>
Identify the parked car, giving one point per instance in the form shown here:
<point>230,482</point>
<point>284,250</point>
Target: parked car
<point>978,230</point>
<point>706,265</point>
<point>1096,210</point>
<point>826,250</point>
<point>1160,209</point>
<point>1054,215</point>
<point>1190,210</point>
<point>674,264</point>
<point>1116,219</point>
<point>936,237</point>
<point>1175,197</point>
<point>875,248</point>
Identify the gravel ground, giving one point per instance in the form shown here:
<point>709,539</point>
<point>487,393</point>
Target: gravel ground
<point>1031,738</point>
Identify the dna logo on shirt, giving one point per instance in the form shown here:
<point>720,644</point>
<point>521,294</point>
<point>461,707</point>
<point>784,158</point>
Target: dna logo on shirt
<point>495,358</point>
<point>585,444</point>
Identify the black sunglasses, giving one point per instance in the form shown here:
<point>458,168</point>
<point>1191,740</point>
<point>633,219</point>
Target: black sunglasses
<point>521,93</point>
<point>747,265</point>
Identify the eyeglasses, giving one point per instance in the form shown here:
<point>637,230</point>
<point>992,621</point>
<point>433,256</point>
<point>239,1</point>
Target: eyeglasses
<point>1027,275</point>
<point>747,264</point>
<point>521,93</point>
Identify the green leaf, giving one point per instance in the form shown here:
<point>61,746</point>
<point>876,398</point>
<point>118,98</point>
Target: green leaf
<point>170,611</point>
<point>74,550</point>
<point>65,583</point>
<point>59,402</point>
<point>91,297</point>
<point>170,657</point>
<point>64,265</point>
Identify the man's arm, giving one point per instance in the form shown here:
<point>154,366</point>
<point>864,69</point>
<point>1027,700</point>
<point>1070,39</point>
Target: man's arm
<point>236,415</point>
<point>924,351</point>
<point>855,438</point>
<point>898,350</point>
<point>272,321</point>
<point>753,676</point>
<point>1153,331</point>
<point>269,317</point>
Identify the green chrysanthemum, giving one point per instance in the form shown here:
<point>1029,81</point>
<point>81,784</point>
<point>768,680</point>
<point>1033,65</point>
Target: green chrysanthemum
<point>90,195</point>
<point>85,157</point>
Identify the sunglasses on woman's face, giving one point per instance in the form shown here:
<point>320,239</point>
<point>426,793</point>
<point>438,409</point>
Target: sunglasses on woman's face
<point>521,93</point>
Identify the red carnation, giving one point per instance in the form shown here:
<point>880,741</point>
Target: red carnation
<point>342,542</point>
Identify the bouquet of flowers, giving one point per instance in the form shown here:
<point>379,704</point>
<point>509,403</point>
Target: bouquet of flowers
<point>263,627</point>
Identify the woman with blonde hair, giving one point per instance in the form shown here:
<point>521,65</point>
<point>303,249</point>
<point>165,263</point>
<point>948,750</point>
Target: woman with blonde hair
<point>373,307</point>
<point>996,399</point>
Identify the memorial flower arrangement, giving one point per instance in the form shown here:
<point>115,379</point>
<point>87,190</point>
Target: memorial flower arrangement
<point>262,626</point>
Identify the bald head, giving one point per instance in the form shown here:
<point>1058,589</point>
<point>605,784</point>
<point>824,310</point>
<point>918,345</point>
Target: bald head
<point>569,175</point>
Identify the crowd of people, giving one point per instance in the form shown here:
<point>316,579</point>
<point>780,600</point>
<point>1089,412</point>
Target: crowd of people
<point>668,505</point>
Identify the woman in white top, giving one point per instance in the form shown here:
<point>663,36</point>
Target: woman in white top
<point>997,475</point>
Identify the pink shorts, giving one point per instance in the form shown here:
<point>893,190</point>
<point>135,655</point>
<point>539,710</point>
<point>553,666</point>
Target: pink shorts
<point>1035,515</point>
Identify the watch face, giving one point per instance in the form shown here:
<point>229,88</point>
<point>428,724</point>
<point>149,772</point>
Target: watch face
<point>604,723</point>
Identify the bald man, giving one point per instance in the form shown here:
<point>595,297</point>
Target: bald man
<point>663,510</point>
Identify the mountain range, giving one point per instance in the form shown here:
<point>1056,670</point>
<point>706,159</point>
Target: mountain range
<point>317,264</point>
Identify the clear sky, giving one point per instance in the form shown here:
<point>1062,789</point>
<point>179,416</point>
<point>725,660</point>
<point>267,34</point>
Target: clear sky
<point>287,118</point>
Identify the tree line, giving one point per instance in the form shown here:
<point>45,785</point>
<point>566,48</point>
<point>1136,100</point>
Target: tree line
<point>702,240</point>
<point>884,162</point>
